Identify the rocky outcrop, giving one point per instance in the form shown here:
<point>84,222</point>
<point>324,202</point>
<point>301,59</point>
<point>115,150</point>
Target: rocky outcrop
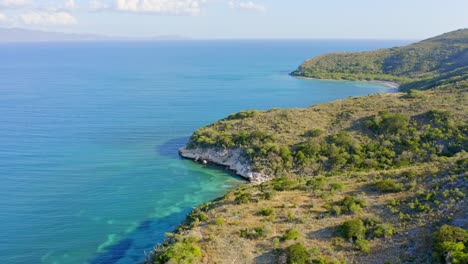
<point>231,158</point>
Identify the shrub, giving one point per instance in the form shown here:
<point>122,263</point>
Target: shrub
<point>267,211</point>
<point>450,244</point>
<point>363,245</point>
<point>384,230</point>
<point>242,115</point>
<point>338,242</point>
<point>219,221</point>
<point>313,133</point>
<point>348,205</point>
<point>337,186</point>
<point>297,254</point>
<point>414,94</point>
<point>353,229</point>
<point>276,242</point>
<point>283,184</point>
<point>253,233</point>
<point>317,183</point>
<point>243,198</point>
<point>184,252</point>
<point>197,216</point>
<point>291,234</point>
<point>388,186</point>
<point>268,194</point>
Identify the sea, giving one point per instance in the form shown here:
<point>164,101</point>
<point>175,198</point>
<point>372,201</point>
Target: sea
<point>89,133</point>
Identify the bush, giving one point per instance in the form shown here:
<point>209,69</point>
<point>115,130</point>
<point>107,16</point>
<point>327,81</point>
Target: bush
<point>353,205</point>
<point>384,230</point>
<point>267,211</point>
<point>337,186</point>
<point>348,205</point>
<point>291,234</point>
<point>184,252</point>
<point>219,221</point>
<point>388,186</point>
<point>363,245</point>
<point>283,184</point>
<point>252,233</point>
<point>317,183</point>
<point>197,216</point>
<point>268,194</point>
<point>313,133</point>
<point>242,115</point>
<point>353,229</point>
<point>414,94</point>
<point>297,254</point>
<point>338,242</point>
<point>243,198</point>
<point>450,244</point>
<point>276,243</point>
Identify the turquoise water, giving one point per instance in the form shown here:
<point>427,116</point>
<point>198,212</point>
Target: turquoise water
<point>89,171</point>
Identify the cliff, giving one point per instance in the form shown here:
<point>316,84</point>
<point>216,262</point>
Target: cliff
<point>233,159</point>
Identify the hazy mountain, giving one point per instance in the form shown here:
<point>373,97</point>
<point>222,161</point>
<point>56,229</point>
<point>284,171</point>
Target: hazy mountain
<point>27,35</point>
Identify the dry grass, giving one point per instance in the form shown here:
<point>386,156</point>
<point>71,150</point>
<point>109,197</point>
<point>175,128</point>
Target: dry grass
<point>303,210</point>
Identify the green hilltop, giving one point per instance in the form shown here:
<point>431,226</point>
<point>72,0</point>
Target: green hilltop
<point>372,179</point>
<point>428,63</point>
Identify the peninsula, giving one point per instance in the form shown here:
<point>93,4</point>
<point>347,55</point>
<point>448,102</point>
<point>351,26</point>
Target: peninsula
<point>373,179</point>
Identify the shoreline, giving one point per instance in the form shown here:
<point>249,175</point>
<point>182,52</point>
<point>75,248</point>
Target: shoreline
<point>232,159</point>
<point>391,85</point>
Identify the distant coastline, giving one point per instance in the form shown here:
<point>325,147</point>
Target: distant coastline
<point>392,85</point>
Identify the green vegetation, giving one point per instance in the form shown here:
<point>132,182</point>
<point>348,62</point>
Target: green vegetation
<point>384,230</point>
<point>291,234</point>
<point>353,229</point>
<point>382,140</point>
<point>297,254</point>
<point>450,244</point>
<point>388,185</point>
<point>299,213</point>
<point>423,65</point>
<point>183,252</point>
<point>252,233</point>
<point>363,180</point>
<point>267,211</point>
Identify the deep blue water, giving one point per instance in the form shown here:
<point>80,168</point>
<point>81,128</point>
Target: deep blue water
<point>89,132</point>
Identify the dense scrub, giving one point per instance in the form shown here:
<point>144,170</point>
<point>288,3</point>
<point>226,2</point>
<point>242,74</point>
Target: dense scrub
<point>374,140</point>
<point>429,63</point>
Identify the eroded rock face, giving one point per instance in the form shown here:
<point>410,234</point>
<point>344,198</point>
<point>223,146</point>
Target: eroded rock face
<point>231,158</point>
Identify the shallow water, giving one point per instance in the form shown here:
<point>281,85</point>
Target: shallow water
<point>89,171</point>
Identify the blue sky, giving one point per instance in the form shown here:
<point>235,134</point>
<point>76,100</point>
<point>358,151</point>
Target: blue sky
<point>377,19</point>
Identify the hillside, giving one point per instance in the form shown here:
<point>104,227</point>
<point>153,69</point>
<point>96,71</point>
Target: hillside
<point>421,65</point>
<point>373,179</point>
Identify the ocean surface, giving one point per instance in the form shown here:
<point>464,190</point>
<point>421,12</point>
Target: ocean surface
<point>89,132</point>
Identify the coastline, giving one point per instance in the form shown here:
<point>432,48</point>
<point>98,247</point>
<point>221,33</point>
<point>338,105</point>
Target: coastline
<point>230,158</point>
<point>391,85</point>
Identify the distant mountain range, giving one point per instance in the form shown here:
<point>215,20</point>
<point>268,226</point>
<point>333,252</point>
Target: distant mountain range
<point>27,35</point>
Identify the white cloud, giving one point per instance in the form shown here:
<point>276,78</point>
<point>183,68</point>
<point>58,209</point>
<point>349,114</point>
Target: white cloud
<point>48,18</point>
<point>70,5</point>
<point>14,3</point>
<point>247,6</point>
<point>97,5</point>
<point>165,7</point>
<point>3,18</point>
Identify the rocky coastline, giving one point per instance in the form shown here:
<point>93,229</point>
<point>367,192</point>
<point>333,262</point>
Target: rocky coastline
<point>233,159</point>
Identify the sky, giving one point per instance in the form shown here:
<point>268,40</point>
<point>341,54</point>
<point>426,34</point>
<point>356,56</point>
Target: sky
<point>241,19</point>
